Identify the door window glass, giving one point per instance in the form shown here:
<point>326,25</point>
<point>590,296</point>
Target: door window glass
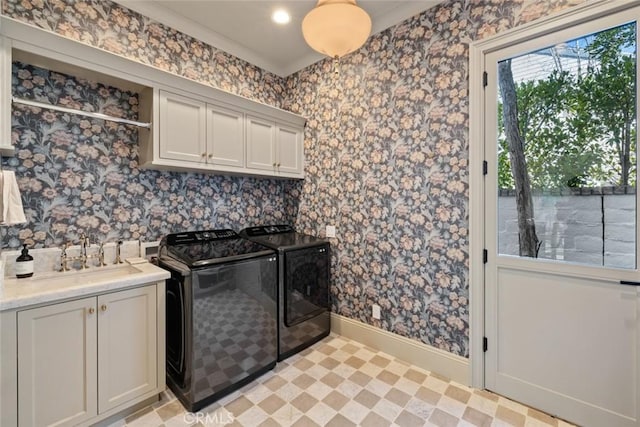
<point>567,151</point>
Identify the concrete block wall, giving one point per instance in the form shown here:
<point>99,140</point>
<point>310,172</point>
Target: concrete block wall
<point>590,227</point>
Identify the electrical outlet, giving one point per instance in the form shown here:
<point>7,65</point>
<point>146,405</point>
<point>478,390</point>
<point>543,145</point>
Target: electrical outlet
<point>330,231</point>
<point>375,311</point>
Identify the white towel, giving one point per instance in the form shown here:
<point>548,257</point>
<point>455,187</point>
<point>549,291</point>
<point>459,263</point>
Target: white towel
<point>11,210</point>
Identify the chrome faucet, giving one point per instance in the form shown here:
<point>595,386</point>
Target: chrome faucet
<point>83,257</point>
<point>101,262</point>
<point>84,242</point>
<point>118,258</point>
<point>63,258</point>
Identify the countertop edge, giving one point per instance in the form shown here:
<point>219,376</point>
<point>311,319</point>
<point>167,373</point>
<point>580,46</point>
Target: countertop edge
<point>149,274</point>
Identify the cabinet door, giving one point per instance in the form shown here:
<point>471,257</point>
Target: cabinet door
<point>183,128</point>
<point>261,153</point>
<point>127,350</point>
<point>57,364</point>
<point>225,136</point>
<point>289,148</point>
<point>6,147</point>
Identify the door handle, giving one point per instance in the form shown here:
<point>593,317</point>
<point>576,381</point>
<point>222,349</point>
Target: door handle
<point>629,283</point>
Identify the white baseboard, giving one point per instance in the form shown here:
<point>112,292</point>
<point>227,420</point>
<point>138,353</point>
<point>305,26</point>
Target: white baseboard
<point>416,353</point>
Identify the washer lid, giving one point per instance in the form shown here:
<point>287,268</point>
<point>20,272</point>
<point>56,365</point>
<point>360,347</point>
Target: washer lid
<point>202,248</point>
<point>265,230</point>
<point>289,240</point>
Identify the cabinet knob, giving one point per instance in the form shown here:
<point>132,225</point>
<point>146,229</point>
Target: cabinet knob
<point>278,164</point>
<point>103,307</point>
<point>211,156</point>
<point>92,310</point>
<point>274,165</point>
<point>204,154</point>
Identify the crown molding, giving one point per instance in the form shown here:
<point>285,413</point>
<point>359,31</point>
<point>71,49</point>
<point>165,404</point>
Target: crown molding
<point>169,18</point>
<point>400,14</point>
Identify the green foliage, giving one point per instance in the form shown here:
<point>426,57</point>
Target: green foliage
<point>609,88</point>
<point>580,129</point>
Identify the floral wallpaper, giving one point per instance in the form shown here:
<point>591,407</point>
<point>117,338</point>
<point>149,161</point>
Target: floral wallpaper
<point>386,148</point>
<point>79,174</point>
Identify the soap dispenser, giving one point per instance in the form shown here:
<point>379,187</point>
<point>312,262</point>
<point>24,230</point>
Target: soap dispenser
<point>24,264</point>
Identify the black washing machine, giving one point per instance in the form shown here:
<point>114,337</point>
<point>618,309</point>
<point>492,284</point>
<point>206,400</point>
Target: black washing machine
<point>303,285</point>
<point>221,313</point>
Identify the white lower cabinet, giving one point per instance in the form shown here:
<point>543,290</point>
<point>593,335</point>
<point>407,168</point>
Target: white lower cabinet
<point>57,364</point>
<point>81,359</point>
<point>127,348</point>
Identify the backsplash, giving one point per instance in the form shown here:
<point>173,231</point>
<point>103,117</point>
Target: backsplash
<point>47,260</point>
<point>386,145</point>
<point>81,175</point>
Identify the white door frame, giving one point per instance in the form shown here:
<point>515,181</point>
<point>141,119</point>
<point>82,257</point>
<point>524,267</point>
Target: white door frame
<point>477,52</point>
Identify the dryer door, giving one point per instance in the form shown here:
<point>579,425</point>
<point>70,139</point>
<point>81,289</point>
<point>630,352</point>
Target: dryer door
<point>306,284</point>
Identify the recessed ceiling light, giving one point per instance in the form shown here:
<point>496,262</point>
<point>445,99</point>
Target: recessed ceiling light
<point>281,16</point>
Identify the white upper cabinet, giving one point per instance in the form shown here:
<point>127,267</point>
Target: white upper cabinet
<point>200,134</point>
<point>194,127</point>
<point>289,149</point>
<point>196,133</point>
<point>6,148</point>
<point>225,136</point>
<point>261,144</point>
<point>274,147</point>
<point>183,128</point>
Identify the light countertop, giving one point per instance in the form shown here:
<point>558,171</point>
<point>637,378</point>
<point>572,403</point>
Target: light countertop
<point>55,286</point>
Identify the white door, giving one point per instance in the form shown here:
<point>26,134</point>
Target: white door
<point>225,136</point>
<point>57,364</point>
<point>562,320</point>
<point>127,350</point>
<point>183,128</point>
<point>261,153</point>
<point>289,146</point>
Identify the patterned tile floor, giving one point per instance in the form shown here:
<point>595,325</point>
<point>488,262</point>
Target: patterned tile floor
<point>342,383</point>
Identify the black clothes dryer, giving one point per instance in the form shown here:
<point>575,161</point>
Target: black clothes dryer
<point>303,285</point>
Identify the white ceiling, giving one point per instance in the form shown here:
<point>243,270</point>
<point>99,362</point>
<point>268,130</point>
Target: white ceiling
<point>244,28</point>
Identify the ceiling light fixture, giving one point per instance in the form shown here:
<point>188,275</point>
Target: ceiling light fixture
<point>336,27</point>
<point>281,17</point>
